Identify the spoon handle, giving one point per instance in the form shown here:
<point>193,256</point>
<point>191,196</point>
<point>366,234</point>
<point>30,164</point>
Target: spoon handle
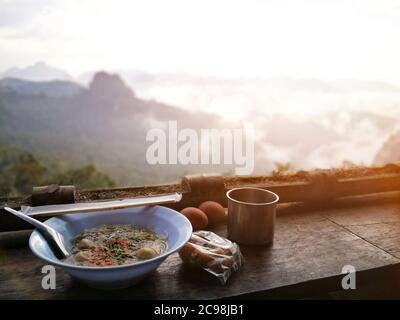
<point>53,237</point>
<point>34,222</point>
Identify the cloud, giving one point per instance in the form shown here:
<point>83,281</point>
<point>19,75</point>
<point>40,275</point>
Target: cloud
<point>17,13</point>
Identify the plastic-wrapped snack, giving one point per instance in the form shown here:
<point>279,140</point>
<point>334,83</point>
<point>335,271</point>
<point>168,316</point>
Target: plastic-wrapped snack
<point>213,253</point>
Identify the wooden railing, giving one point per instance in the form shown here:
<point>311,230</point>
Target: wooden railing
<point>318,186</point>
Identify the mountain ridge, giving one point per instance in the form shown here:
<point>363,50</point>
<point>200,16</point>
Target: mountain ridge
<point>40,71</point>
<point>104,124</point>
<point>54,88</point>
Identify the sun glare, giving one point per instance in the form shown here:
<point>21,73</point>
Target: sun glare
<point>224,38</point>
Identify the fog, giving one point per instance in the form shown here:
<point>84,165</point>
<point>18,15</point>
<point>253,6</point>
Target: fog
<point>308,123</point>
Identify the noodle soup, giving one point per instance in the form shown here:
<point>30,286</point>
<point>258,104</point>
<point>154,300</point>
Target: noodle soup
<point>113,245</point>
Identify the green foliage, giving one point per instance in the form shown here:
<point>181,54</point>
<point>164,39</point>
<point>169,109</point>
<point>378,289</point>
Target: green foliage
<point>8,157</point>
<point>6,183</point>
<point>27,172</point>
<point>20,171</point>
<point>87,177</point>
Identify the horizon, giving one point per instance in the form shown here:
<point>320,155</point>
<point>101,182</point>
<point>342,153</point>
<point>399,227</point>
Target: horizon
<point>77,77</point>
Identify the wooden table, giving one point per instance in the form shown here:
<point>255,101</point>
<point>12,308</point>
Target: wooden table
<point>311,246</point>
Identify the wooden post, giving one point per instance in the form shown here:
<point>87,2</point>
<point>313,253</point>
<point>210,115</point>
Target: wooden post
<point>203,187</point>
<point>53,194</point>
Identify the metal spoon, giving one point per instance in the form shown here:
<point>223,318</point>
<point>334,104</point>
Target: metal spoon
<point>54,238</point>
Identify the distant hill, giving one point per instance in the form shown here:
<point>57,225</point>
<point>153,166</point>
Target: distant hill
<point>39,71</point>
<point>105,124</point>
<point>49,88</point>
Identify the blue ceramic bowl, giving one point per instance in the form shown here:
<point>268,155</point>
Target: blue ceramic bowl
<point>161,220</point>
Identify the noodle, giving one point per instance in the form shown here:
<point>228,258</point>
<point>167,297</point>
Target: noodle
<point>112,245</point>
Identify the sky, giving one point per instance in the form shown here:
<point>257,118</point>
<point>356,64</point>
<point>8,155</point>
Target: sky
<point>321,39</point>
<point>235,38</point>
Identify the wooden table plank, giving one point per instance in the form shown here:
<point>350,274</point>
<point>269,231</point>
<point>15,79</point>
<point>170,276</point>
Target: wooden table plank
<point>389,213</point>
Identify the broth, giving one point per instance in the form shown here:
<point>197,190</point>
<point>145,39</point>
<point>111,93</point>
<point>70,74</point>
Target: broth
<point>113,245</point>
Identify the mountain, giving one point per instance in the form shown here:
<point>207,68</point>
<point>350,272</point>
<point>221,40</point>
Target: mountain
<point>49,88</point>
<point>109,86</point>
<point>39,71</point>
<point>105,124</point>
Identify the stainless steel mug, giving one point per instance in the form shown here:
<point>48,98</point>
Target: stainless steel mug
<point>251,215</point>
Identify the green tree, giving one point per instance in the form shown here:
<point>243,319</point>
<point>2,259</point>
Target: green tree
<point>6,182</point>
<point>28,172</point>
<point>86,177</point>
